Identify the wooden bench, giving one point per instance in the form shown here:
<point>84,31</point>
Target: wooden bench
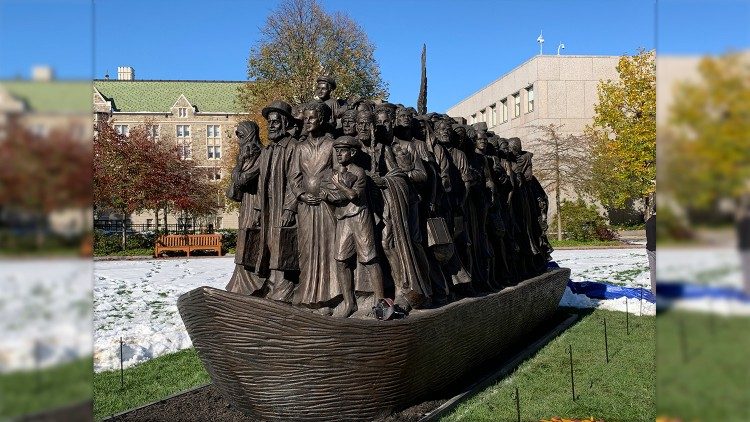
<point>188,243</point>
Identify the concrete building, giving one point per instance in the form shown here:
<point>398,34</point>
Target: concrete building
<point>545,89</point>
<point>200,116</point>
<point>542,90</point>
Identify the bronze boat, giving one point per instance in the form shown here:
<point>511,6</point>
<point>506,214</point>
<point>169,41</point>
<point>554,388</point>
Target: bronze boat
<point>275,362</point>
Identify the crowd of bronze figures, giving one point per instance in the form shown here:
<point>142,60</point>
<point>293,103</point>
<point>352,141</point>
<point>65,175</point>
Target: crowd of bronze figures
<point>350,199</point>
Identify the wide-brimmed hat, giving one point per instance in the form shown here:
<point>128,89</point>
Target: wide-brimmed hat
<point>279,107</point>
<point>329,79</point>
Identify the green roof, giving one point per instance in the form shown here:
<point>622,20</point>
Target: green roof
<point>159,96</point>
<point>51,96</point>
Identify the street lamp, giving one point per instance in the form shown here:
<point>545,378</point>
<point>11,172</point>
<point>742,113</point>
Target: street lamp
<point>559,47</point>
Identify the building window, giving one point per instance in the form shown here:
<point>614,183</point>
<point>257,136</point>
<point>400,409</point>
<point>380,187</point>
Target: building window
<point>214,174</point>
<point>516,104</point>
<point>213,131</point>
<point>153,131</point>
<point>183,131</point>
<point>40,130</point>
<point>183,145</point>
<point>473,119</point>
<point>123,130</point>
<point>493,115</point>
<point>504,107</point>
<point>483,115</point>
<point>214,152</point>
<point>182,112</point>
<point>530,99</point>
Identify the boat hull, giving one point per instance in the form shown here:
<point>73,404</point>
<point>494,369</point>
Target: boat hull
<point>276,362</point>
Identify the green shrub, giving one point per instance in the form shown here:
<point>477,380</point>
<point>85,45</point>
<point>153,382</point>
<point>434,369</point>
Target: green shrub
<point>106,244</point>
<point>228,239</point>
<point>582,222</point>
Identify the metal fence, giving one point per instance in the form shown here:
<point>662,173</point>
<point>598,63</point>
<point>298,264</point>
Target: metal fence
<point>116,226</point>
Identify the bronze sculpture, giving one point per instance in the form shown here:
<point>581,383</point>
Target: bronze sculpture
<point>350,203</point>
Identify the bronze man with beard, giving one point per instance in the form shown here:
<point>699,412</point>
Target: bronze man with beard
<point>275,204</point>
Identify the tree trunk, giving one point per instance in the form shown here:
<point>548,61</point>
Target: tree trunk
<point>559,217</point>
<point>156,218</point>
<point>557,190</point>
<point>124,229</point>
<point>166,223</point>
<point>40,223</point>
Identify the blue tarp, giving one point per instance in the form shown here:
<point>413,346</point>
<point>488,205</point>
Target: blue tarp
<point>598,290</point>
<point>681,290</point>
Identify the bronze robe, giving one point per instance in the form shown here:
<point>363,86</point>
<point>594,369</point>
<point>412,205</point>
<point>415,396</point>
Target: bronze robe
<point>311,172</point>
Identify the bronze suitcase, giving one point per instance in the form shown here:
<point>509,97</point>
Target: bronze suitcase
<point>439,239</point>
<point>283,245</point>
<point>250,241</point>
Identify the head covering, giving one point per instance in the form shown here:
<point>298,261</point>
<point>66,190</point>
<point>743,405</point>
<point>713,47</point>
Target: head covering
<point>352,113</point>
<point>279,107</point>
<point>346,141</point>
<point>328,79</point>
<point>480,126</point>
<point>251,129</point>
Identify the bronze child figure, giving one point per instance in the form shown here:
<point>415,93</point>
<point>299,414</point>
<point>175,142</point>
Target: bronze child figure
<point>354,227</point>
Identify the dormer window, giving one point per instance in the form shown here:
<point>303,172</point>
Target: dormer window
<point>182,112</point>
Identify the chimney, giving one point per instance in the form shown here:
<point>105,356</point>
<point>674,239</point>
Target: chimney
<point>125,73</point>
<point>42,73</point>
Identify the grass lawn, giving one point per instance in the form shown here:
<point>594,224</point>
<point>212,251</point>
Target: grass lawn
<point>704,371</point>
<point>27,392</point>
<point>623,390</point>
<point>576,243</point>
<point>145,383</point>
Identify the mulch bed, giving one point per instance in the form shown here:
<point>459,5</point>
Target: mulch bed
<point>206,404</point>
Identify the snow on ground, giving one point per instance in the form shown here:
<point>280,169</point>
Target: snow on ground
<point>718,267</point>
<point>623,267</point>
<point>45,312</point>
<point>137,300</point>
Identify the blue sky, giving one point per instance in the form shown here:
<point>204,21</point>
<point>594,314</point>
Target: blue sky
<point>470,43</point>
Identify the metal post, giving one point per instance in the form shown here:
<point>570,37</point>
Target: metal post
<point>122,374</point>
<point>572,381</point>
<point>606,342</point>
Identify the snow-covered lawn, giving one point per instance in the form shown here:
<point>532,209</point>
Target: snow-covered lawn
<point>136,300</point>
<point>716,267</point>
<point>623,267</point>
<point>45,312</point>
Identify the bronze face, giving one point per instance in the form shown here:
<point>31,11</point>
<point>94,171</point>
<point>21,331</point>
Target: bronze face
<point>275,126</point>
<point>348,125</point>
<point>344,154</point>
<point>322,91</point>
<point>311,120</point>
<point>443,132</point>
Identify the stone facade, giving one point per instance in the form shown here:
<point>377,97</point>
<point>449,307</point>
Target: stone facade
<point>199,116</point>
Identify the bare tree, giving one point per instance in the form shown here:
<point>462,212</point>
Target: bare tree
<point>560,163</point>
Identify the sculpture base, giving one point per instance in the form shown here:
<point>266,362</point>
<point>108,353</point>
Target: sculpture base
<point>277,362</point>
